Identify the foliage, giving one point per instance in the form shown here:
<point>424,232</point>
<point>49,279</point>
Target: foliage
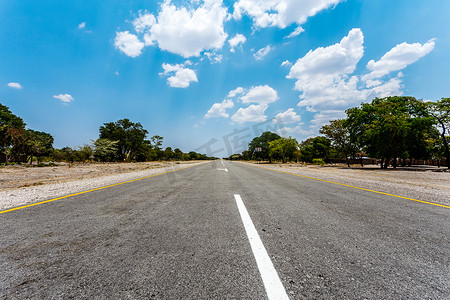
<point>316,147</point>
<point>386,127</point>
<point>12,127</point>
<point>262,143</point>
<point>130,138</point>
<point>440,112</point>
<point>283,149</point>
<point>318,161</point>
<point>339,136</point>
<point>39,144</point>
<point>105,149</point>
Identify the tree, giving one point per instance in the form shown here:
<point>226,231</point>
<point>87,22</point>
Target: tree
<point>385,127</point>
<point>10,125</point>
<point>262,143</point>
<point>178,154</point>
<point>283,149</point>
<point>130,137</point>
<point>105,149</point>
<point>168,153</point>
<point>316,147</point>
<point>440,111</point>
<point>339,135</point>
<point>40,144</point>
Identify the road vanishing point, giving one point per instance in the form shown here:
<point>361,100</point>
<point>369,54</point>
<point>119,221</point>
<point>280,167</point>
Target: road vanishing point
<point>226,230</point>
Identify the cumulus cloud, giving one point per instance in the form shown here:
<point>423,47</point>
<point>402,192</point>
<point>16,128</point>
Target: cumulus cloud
<point>15,85</point>
<point>219,109</point>
<point>237,91</point>
<point>325,78</point>
<point>398,58</point>
<point>65,98</point>
<point>280,13</point>
<point>179,76</point>
<point>261,53</point>
<point>253,113</point>
<point>322,75</point>
<point>144,22</point>
<point>238,39</point>
<point>288,117</point>
<point>128,43</point>
<point>296,32</point>
<point>185,31</point>
<point>286,63</point>
<point>262,94</point>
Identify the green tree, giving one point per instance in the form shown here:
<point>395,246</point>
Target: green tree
<point>39,143</point>
<point>440,111</point>
<point>130,137</point>
<point>262,143</point>
<point>316,147</point>
<point>385,127</point>
<point>168,153</point>
<point>339,136</point>
<point>283,149</point>
<point>105,149</point>
<point>11,126</point>
<point>178,154</point>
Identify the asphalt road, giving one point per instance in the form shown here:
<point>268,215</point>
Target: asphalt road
<point>181,235</point>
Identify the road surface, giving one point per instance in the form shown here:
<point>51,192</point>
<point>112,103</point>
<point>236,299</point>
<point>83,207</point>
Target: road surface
<point>188,235</point>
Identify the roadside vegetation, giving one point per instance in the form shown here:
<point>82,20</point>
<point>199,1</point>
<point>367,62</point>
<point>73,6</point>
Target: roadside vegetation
<point>118,141</point>
<point>392,131</point>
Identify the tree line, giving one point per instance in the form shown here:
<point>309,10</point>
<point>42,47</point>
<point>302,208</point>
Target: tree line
<point>118,141</point>
<point>393,130</point>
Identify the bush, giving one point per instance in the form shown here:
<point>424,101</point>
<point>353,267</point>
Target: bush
<point>318,161</point>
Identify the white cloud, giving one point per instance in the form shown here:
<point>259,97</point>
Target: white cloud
<point>253,113</point>
<point>15,85</point>
<point>82,25</point>
<point>235,92</point>
<point>322,75</point>
<point>219,109</point>
<point>213,57</point>
<point>144,22</point>
<point>65,98</point>
<point>288,117</point>
<point>325,76</point>
<point>238,39</point>
<point>128,43</point>
<point>286,63</point>
<point>263,52</point>
<point>398,58</point>
<point>262,94</point>
<point>185,31</point>
<point>280,13</point>
<point>296,32</point>
<point>180,76</point>
<point>323,117</point>
<point>299,130</point>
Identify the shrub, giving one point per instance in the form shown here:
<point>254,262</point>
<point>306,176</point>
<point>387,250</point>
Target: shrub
<point>318,161</point>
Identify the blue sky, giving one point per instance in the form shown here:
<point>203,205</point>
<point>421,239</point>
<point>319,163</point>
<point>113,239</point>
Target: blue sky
<point>211,72</point>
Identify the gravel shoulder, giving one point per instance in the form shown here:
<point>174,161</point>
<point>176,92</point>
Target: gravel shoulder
<point>20,185</point>
<point>425,186</point>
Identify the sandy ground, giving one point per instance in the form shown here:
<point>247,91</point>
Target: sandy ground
<point>18,176</point>
<point>422,185</point>
<point>20,185</point>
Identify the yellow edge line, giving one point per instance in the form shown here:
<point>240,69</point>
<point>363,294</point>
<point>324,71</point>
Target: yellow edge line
<point>88,191</point>
<point>351,186</point>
